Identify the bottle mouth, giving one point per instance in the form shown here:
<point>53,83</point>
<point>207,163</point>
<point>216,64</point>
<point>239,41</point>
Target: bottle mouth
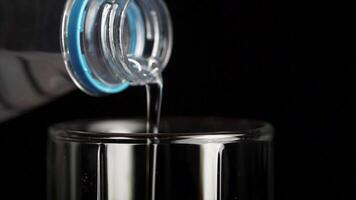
<point>109,45</point>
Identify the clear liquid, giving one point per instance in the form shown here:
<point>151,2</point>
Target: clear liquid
<point>154,92</point>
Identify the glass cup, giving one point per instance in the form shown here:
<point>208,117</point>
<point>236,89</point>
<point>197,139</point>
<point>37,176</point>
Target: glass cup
<point>190,159</point>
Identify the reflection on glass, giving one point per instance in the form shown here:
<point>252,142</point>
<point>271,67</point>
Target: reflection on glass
<point>227,159</point>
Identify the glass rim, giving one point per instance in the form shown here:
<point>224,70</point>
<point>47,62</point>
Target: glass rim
<point>79,131</point>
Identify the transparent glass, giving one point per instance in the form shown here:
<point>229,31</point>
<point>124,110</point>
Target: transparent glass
<point>191,159</point>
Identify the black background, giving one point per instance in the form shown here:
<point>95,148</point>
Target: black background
<point>291,63</point>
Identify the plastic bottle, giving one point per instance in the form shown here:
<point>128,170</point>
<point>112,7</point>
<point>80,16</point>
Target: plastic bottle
<point>105,46</point>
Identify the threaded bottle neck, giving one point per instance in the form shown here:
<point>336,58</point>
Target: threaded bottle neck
<point>120,42</point>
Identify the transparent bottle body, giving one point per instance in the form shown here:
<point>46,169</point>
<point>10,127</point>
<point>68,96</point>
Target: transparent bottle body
<point>32,71</point>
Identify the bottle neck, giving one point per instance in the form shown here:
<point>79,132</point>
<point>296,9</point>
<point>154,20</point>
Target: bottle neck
<point>121,42</point>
